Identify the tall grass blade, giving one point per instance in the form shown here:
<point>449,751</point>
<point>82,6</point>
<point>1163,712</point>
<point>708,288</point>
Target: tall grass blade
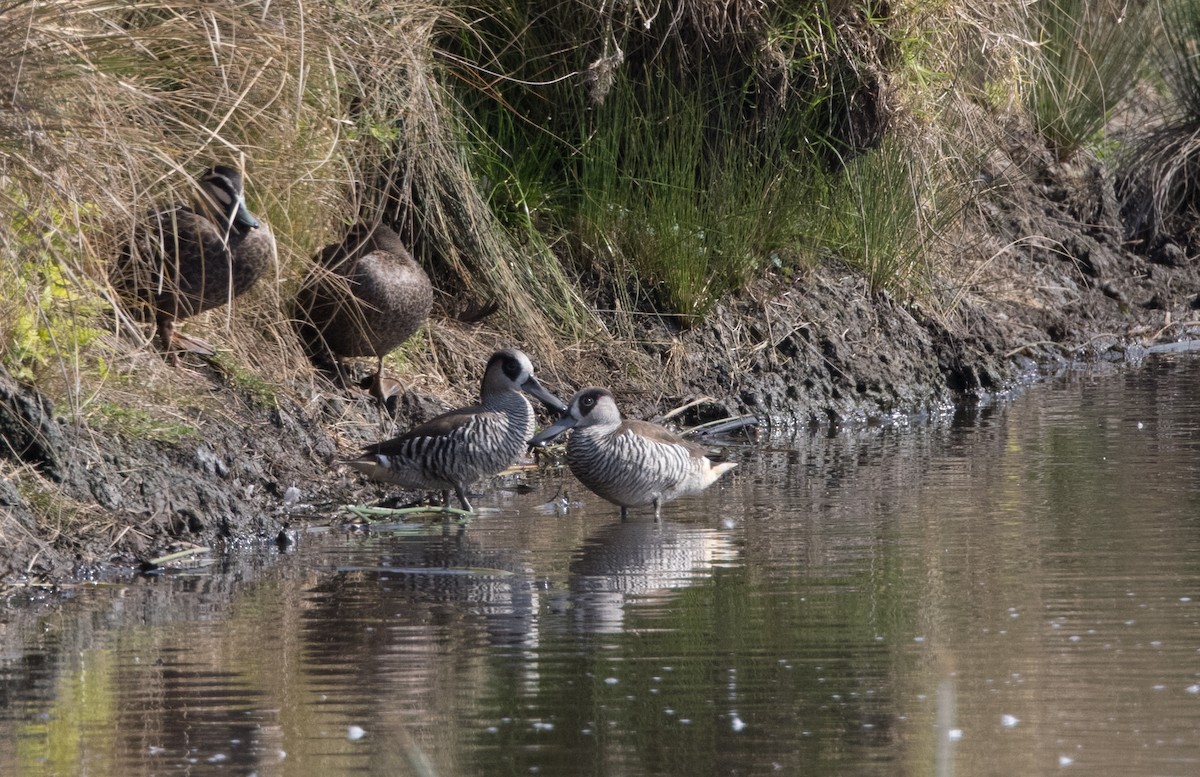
<point>1087,61</point>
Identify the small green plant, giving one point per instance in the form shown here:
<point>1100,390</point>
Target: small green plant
<point>886,208</point>
<point>251,385</point>
<point>137,423</point>
<point>1181,69</point>
<point>55,311</point>
<point>516,169</point>
<point>1087,60</point>
<point>678,175</point>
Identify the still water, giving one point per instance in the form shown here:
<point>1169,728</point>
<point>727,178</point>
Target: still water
<point>1010,591</point>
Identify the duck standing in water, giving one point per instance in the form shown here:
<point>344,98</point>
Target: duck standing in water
<point>629,463</point>
<point>364,297</point>
<point>457,448</point>
<point>191,258</point>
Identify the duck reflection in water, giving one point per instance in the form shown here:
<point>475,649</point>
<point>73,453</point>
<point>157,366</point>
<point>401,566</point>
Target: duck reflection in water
<point>639,561</point>
<point>431,590</point>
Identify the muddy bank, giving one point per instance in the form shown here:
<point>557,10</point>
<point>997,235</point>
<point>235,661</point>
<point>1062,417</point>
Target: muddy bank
<point>1045,276</point>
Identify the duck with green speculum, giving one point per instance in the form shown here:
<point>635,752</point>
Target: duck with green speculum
<point>364,296</point>
<point>454,450</point>
<point>627,462</point>
<point>186,259</point>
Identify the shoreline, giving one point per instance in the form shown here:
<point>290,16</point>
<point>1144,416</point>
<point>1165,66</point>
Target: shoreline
<point>1047,289</point>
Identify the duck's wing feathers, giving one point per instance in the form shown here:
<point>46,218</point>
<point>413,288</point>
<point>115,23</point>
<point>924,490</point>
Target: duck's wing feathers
<point>443,425</point>
<point>175,259</point>
<point>658,434</point>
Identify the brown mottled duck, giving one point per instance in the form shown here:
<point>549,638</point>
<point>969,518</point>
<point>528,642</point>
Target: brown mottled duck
<point>363,297</point>
<point>186,259</point>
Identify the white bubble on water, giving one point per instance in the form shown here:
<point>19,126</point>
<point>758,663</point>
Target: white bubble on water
<point>354,733</point>
<point>954,734</point>
<point>1009,721</point>
<point>1065,760</point>
<point>736,723</point>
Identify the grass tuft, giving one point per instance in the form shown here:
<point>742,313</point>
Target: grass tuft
<point>886,210</point>
<point>1087,60</point>
<point>1161,171</point>
<point>667,178</point>
<point>680,199</point>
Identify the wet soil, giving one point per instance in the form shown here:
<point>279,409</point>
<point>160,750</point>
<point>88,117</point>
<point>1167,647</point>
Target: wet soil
<point>1044,277</point>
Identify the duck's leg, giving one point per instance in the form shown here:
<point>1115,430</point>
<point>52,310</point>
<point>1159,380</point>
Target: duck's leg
<point>174,341</point>
<point>385,391</point>
<point>657,509</point>
<point>166,337</point>
<point>624,512</point>
<point>373,383</point>
<point>462,497</point>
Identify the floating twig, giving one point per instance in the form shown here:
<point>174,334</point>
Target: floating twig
<point>374,513</point>
<point>156,563</point>
<point>687,405</point>
<point>723,425</point>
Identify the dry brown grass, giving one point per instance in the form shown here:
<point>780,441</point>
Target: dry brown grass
<point>334,113</point>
